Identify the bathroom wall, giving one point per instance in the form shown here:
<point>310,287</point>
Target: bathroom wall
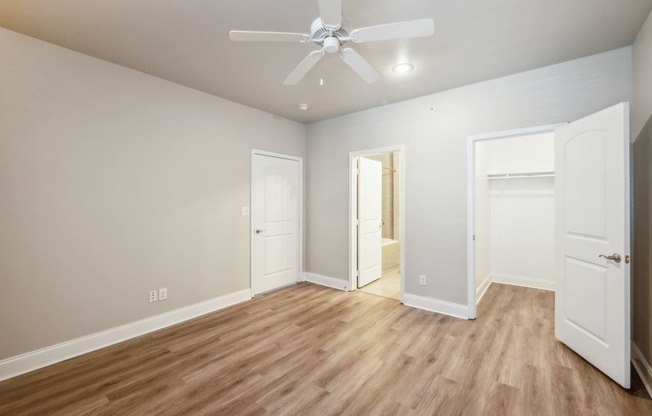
<point>391,208</point>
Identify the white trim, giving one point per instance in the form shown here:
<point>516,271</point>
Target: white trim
<point>353,208</point>
<point>34,360</point>
<point>252,226</point>
<point>527,131</point>
<point>433,305</point>
<point>531,282</point>
<point>642,367</point>
<point>327,281</point>
<point>482,288</point>
<point>470,198</point>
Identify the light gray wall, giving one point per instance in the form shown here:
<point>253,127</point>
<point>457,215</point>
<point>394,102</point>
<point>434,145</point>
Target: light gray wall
<point>435,171</point>
<point>642,234</point>
<point>114,183</point>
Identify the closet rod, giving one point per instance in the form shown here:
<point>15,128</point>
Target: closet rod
<point>521,175</point>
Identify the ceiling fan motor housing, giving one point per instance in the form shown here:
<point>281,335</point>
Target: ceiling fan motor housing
<point>320,32</point>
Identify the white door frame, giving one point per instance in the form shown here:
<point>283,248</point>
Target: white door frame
<point>470,198</point>
<point>255,152</point>
<point>353,210</point>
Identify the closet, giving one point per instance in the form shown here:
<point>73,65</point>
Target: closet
<point>514,212</point>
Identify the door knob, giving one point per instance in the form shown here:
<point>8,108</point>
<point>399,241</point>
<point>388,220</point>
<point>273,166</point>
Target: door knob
<point>259,230</point>
<point>614,257</point>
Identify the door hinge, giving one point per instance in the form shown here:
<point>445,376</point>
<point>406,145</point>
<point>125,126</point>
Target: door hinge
<point>357,223</point>
<point>357,171</point>
<point>473,237</point>
<point>357,273</point>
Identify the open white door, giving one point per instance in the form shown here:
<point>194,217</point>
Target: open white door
<point>275,221</point>
<point>370,209</point>
<point>592,301</point>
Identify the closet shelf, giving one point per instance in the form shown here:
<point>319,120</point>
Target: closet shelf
<point>521,175</point>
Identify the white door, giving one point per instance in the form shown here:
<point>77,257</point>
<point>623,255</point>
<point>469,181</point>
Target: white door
<point>275,222</point>
<point>592,301</point>
<point>370,208</point>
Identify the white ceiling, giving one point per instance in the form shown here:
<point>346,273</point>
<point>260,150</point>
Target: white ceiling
<point>187,42</point>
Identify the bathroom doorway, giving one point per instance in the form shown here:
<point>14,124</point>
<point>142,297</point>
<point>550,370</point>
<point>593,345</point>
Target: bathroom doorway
<point>376,207</point>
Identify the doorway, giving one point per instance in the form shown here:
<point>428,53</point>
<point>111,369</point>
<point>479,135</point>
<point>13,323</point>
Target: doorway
<point>591,230</point>
<point>515,212</point>
<point>500,174</point>
<point>275,220</point>
<point>376,222</point>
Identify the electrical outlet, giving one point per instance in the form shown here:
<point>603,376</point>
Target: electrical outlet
<point>244,211</point>
<point>163,293</point>
<point>422,279</point>
<point>153,296</point>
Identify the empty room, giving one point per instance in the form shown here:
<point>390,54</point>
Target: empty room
<point>325,207</point>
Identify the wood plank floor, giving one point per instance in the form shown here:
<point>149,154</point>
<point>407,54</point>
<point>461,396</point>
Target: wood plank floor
<point>309,350</point>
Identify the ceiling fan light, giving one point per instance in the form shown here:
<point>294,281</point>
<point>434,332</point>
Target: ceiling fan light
<point>402,68</point>
<point>331,44</point>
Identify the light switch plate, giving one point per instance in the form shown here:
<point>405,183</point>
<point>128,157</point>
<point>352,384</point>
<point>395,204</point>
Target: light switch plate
<point>244,211</point>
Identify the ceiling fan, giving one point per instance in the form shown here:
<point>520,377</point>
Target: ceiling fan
<point>332,31</point>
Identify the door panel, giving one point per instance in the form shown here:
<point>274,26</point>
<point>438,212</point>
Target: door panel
<point>584,189</point>
<point>589,279</point>
<point>276,222</point>
<point>370,209</point>
<point>592,300</point>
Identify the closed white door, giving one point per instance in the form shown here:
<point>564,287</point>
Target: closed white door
<point>275,221</point>
<point>370,209</point>
<point>592,300</point>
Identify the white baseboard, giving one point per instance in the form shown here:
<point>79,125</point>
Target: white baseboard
<point>34,360</point>
<point>642,368</point>
<point>326,281</point>
<point>434,305</point>
<point>482,289</point>
<point>524,281</point>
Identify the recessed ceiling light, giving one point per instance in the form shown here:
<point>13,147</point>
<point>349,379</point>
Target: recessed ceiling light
<point>302,107</point>
<point>402,68</point>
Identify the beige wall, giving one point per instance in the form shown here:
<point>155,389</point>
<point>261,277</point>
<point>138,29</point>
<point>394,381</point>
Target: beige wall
<point>642,235</point>
<point>642,133</point>
<point>391,208</point>
<point>114,183</point>
<point>642,78</point>
<point>434,130</point>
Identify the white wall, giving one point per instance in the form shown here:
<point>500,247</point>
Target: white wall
<point>435,171</point>
<point>533,153</point>
<point>642,86</point>
<point>482,230</point>
<point>114,183</point>
<point>522,211</point>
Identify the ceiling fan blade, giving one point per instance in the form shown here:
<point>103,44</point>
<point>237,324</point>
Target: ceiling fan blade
<point>303,68</point>
<point>400,30</point>
<point>330,12</point>
<point>252,36</point>
<point>360,65</point>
